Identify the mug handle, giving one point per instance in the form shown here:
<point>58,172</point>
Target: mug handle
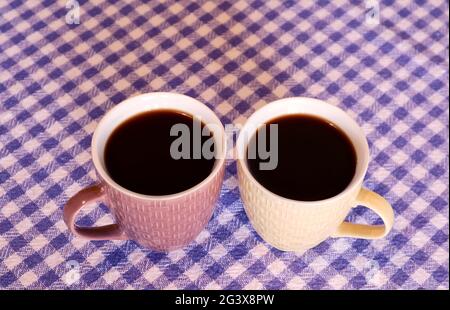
<point>76,203</point>
<point>377,204</point>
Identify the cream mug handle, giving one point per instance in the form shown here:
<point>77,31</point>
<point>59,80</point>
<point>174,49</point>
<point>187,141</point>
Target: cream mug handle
<point>84,197</point>
<point>377,204</point>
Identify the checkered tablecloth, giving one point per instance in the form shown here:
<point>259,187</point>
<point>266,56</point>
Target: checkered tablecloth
<point>57,80</point>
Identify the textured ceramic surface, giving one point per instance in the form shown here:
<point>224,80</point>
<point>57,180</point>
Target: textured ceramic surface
<point>288,225</point>
<point>165,224</point>
<point>292,225</point>
<point>162,223</point>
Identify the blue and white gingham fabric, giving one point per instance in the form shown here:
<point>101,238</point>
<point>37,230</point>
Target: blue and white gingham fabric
<point>57,80</point>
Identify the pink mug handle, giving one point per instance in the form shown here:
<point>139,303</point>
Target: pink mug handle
<point>76,203</point>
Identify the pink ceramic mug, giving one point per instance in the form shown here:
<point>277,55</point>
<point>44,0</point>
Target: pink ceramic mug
<point>159,222</point>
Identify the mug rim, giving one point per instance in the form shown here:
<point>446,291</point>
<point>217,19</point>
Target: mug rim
<point>358,177</point>
<point>219,160</point>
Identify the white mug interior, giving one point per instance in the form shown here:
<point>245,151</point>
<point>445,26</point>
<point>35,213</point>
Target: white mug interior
<point>151,102</point>
<point>307,106</point>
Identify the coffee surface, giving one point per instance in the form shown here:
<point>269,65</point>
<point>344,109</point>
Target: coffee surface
<point>137,155</point>
<point>316,159</point>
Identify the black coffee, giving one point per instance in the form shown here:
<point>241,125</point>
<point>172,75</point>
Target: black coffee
<point>316,159</point>
<point>137,155</point>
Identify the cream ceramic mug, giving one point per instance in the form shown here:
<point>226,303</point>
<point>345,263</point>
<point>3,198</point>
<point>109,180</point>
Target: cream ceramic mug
<point>164,222</point>
<point>293,225</point>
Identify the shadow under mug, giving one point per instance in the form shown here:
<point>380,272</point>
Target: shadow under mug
<point>292,225</point>
<point>161,223</point>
